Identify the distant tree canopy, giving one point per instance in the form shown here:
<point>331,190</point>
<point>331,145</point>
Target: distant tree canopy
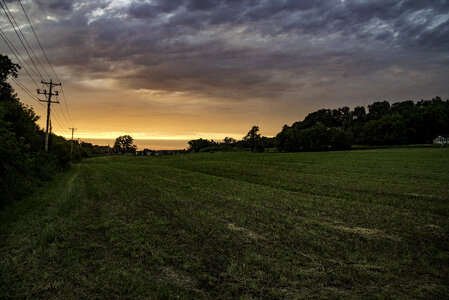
<point>384,124</point>
<point>200,144</point>
<point>229,141</point>
<point>380,124</point>
<point>93,150</point>
<point>318,137</point>
<point>125,144</point>
<point>252,141</point>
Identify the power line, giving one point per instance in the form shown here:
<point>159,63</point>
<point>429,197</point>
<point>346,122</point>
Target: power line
<point>27,91</point>
<point>48,61</point>
<point>65,102</point>
<point>58,118</point>
<point>38,74</point>
<point>63,115</point>
<point>17,54</point>
<point>38,41</point>
<point>58,122</point>
<point>54,117</point>
<point>63,119</point>
<point>24,39</point>
<point>67,109</point>
<point>62,110</point>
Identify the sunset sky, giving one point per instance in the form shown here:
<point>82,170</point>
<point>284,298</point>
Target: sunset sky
<point>166,69</point>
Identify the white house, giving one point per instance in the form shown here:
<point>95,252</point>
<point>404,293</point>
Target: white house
<point>442,139</point>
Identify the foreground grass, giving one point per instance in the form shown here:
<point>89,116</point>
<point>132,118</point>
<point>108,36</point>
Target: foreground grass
<point>370,223</point>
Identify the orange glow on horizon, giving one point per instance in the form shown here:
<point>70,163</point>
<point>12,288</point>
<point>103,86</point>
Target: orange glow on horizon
<point>101,112</point>
<point>140,136</point>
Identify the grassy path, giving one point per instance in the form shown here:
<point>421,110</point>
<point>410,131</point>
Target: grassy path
<point>229,225</point>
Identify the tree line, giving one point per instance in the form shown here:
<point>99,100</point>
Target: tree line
<point>253,141</point>
<point>381,124</point>
<point>24,164</point>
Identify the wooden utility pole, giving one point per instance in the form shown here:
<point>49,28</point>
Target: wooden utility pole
<point>49,102</point>
<point>71,145</point>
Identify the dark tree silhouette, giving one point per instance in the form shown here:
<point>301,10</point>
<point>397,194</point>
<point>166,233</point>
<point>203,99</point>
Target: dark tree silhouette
<point>378,109</point>
<point>229,141</point>
<point>252,138</point>
<point>200,144</point>
<point>125,144</point>
<point>384,124</point>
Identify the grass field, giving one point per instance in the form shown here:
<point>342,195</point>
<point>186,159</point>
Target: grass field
<point>353,224</point>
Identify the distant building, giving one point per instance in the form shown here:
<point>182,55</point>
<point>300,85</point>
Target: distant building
<point>442,139</point>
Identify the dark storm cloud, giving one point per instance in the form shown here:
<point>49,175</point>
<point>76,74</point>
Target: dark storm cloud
<point>55,5</point>
<point>150,10</point>
<point>246,48</point>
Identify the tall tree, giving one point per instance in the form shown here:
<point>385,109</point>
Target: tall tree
<point>252,138</point>
<point>125,144</point>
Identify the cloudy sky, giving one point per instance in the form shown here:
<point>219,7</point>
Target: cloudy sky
<point>191,68</point>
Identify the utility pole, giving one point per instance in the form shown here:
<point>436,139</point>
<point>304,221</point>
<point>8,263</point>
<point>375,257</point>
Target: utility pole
<point>71,145</point>
<point>49,102</point>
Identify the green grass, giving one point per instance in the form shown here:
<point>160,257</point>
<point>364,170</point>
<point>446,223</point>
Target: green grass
<point>353,224</point>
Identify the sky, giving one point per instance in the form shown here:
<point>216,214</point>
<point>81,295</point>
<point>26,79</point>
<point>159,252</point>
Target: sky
<point>165,69</point>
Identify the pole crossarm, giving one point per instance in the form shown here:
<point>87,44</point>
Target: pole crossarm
<point>47,100</point>
<point>51,82</point>
<point>50,93</point>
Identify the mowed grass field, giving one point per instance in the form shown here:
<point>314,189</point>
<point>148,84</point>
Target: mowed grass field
<point>353,224</point>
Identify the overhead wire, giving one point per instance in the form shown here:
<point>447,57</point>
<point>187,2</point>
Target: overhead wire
<point>58,122</point>
<point>56,119</point>
<point>55,112</point>
<point>46,57</point>
<point>66,106</point>
<point>26,90</point>
<point>16,53</point>
<point>22,38</point>
<point>35,98</point>
<point>22,86</point>
<point>38,41</point>
<point>63,114</point>
<point>23,61</point>
<point>35,70</point>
